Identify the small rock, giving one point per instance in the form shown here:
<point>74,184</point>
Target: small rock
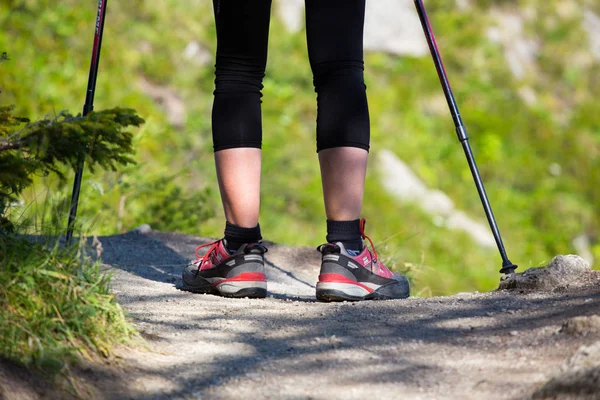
<point>592,26</point>
<point>198,54</point>
<point>581,325</point>
<point>142,229</point>
<point>166,98</point>
<point>560,272</point>
<point>579,377</point>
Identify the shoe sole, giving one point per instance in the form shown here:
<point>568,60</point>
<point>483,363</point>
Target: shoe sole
<point>338,291</point>
<point>254,291</point>
<point>243,289</point>
<point>236,287</point>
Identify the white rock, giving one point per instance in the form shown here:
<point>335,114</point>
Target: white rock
<point>493,33</point>
<point>168,99</point>
<point>520,52</point>
<point>291,13</point>
<point>527,94</point>
<point>591,23</point>
<point>463,4</point>
<point>479,232</point>
<point>400,181</point>
<point>197,54</point>
<point>393,26</point>
<point>143,229</point>
<point>555,169</point>
<point>437,202</point>
<point>567,8</point>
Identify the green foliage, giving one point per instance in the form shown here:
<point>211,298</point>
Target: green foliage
<point>540,161</point>
<point>46,145</point>
<point>55,305</point>
<point>49,145</point>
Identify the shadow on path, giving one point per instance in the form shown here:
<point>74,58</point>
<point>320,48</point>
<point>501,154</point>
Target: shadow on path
<point>415,345</point>
<point>161,257</point>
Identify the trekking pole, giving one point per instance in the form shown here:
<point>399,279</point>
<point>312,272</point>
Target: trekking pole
<point>507,266</point>
<point>87,108</point>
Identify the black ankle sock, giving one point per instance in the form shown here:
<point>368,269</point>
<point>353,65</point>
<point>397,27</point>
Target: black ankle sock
<point>237,235</point>
<point>347,232</point>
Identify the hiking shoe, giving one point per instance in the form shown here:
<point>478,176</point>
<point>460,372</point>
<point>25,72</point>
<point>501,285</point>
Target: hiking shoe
<point>346,277</point>
<point>241,274</point>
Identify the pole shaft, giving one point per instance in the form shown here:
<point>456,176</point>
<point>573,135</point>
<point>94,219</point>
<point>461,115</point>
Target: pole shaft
<point>87,108</point>
<point>484,199</point>
<point>507,266</point>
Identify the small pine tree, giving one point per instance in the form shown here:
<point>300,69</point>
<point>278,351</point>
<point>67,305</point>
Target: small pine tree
<point>42,147</point>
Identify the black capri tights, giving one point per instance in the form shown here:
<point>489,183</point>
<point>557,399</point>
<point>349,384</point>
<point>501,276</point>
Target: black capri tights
<point>334,30</point>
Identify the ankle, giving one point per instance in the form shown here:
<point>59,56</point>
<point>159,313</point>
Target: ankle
<point>346,232</point>
<point>236,236</point>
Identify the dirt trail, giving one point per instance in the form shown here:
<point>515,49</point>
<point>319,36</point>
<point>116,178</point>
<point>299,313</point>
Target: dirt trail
<point>500,345</point>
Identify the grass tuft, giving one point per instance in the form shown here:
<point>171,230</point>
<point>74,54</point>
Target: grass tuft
<point>55,305</point>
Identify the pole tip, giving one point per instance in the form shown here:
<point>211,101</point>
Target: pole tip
<point>508,267</point>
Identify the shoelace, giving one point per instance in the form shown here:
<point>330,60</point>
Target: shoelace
<point>206,256</point>
<point>363,222</point>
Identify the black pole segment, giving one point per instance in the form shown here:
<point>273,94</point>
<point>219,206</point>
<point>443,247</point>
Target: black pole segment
<point>87,108</point>
<point>507,266</point>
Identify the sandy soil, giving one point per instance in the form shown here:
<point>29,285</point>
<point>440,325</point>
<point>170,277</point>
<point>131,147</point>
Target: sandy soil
<point>498,345</point>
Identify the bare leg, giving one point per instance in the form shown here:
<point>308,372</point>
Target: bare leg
<point>343,171</point>
<point>238,172</point>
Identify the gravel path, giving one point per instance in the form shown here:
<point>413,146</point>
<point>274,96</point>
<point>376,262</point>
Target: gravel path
<point>499,345</point>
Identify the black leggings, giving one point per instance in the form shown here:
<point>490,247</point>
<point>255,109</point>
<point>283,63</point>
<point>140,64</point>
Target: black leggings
<point>334,30</point>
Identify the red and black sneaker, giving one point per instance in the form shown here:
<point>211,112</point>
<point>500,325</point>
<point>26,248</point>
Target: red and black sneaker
<point>241,274</point>
<point>346,277</point>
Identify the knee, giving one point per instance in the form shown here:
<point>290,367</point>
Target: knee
<point>339,76</point>
<point>236,117</point>
<point>343,112</point>
<point>238,75</point>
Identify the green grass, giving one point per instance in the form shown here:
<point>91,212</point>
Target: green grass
<point>55,305</point>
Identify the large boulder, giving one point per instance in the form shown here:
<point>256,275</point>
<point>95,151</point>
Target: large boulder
<point>398,179</point>
<point>391,26</point>
<point>560,272</point>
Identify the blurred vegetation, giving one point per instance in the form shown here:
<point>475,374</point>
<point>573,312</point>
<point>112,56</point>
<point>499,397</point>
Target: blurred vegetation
<point>540,161</point>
